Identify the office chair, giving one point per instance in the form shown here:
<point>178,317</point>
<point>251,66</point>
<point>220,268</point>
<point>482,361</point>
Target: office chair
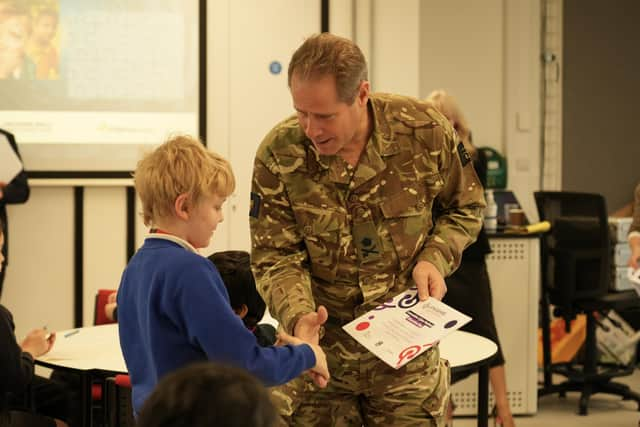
<point>98,383</point>
<point>118,408</point>
<point>575,263</point>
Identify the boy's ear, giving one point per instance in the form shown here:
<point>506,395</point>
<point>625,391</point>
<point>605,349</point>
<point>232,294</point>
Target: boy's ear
<point>242,311</point>
<point>181,206</point>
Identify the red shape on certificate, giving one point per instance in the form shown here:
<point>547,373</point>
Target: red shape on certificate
<point>408,353</point>
<point>362,326</point>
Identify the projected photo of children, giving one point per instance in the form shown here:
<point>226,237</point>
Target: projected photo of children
<point>29,39</point>
<point>42,47</point>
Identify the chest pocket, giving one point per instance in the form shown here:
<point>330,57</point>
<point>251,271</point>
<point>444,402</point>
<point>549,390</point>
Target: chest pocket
<point>320,229</point>
<point>408,219</point>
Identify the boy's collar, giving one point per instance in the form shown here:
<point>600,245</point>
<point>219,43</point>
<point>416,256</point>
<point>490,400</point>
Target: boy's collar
<point>155,233</point>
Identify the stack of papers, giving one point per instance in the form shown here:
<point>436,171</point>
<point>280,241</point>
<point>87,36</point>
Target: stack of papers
<point>403,327</point>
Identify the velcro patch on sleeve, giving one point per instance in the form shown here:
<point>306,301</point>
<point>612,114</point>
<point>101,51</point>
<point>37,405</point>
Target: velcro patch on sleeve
<point>256,201</point>
<point>464,155</point>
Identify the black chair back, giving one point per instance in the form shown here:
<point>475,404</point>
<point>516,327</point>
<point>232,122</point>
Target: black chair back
<point>575,253</point>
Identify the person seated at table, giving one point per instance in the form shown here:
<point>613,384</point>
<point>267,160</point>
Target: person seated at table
<point>205,394</point>
<point>17,370</point>
<point>173,309</point>
<point>235,270</point>
<point>469,287</point>
<point>111,307</point>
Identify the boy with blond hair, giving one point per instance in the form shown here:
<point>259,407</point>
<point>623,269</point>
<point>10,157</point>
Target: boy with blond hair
<point>173,307</point>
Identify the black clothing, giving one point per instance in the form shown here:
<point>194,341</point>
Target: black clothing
<point>16,366</point>
<point>16,191</point>
<point>265,334</point>
<point>26,419</point>
<point>16,374</point>
<point>469,287</point>
<point>469,291</point>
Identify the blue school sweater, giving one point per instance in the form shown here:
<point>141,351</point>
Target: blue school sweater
<point>173,309</point>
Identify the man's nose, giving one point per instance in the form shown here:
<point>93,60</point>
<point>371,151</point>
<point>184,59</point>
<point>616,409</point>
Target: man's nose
<point>312,129</point>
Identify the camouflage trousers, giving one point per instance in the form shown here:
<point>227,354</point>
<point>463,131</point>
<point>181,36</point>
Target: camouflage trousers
<point>365,391</point>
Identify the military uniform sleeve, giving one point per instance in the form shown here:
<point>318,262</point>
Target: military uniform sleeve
<point>278,257</point>
<point>459,204</point>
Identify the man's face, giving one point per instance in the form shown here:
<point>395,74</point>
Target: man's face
<point>329,123</point>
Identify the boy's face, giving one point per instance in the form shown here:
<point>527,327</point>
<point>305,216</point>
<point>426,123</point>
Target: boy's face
<point>45,28</point>
<point>204,220</point>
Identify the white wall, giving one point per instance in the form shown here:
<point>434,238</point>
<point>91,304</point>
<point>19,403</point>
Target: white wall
<point>246,99</point>
<point>409,44</point>
<point>462,51</point>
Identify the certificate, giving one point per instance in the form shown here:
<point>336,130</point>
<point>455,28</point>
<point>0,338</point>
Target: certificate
<point>10,164</point>
<point>403,327</point>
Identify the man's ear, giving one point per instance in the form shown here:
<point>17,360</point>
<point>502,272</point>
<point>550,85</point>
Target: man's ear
<point>363,92</point>
<point>181,206</point>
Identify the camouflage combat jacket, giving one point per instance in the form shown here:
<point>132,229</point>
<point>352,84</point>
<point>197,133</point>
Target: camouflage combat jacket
<point>324,232</point>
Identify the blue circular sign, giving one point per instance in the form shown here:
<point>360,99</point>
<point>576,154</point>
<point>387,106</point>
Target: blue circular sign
<point>275,67</point>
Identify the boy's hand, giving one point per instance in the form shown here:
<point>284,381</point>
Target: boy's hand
<point>37,343</point>
<point>320,372</point>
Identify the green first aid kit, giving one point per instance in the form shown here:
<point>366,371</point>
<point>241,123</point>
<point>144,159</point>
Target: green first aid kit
<point>496,168</point>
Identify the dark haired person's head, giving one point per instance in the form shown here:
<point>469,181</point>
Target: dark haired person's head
<point>208,394</point>
<point>235,270</point>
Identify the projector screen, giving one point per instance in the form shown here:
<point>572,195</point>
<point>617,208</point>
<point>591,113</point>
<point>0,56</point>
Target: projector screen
<point>90,85</point>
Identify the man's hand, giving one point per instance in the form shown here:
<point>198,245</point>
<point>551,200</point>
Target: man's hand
<point>320,372</point>
<point>38,343</point>
<point>429,281</point>
<point>307,328</point>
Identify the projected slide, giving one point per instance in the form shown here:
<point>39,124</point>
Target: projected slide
<point>89,85</point>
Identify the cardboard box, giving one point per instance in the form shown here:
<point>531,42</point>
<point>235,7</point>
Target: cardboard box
<point>621,255</point>
<point>620,279</point>
<point>616,341</point>
<point>619,229</point>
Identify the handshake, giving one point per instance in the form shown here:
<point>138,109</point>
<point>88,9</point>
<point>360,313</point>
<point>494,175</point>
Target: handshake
<point>307,331</point>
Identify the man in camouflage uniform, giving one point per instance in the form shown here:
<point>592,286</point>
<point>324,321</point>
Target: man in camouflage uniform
<point>341,217</point>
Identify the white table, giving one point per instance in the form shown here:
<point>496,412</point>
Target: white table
<point>95,352</point>
<point>95,348</point>
<point>470,352</point>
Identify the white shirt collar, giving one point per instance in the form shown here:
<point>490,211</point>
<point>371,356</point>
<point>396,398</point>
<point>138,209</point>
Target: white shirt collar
<point>174,239</point>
